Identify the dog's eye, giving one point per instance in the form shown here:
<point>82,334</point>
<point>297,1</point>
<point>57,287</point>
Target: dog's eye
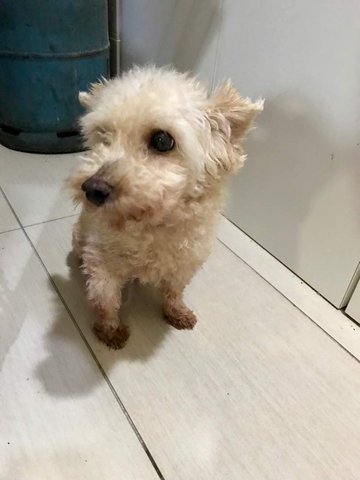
<point>162,141</point>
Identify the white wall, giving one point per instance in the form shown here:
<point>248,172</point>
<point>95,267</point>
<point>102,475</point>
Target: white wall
<point>298,194</point>
<point>182,33</point>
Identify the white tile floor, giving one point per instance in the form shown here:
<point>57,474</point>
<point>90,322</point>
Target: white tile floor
<point>256,391</point>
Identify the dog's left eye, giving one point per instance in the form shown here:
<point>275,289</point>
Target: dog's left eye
<point>162,141</point>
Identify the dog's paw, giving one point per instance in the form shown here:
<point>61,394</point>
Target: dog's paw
<point>114,338</point>
<point>180,317</point>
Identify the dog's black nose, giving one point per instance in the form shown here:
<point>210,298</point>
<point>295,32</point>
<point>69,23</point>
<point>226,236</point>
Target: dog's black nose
<point>97,190</point>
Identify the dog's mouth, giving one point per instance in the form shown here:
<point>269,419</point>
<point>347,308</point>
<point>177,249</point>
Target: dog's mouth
<point>97,190</point>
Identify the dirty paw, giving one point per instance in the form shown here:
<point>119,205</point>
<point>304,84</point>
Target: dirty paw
<point>114,338</point>
<point>180,317</point>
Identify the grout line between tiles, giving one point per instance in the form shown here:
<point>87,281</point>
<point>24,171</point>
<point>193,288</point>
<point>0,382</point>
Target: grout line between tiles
<point>92,353</point>
<point>50,220</point>
<point>291,302</point>
<point>11,230</point>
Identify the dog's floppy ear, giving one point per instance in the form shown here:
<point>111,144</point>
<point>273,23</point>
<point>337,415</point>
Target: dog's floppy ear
<point>230,117</point>
<point>86,99</point>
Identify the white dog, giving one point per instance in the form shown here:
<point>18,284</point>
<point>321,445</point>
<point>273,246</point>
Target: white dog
<point>151,186</point>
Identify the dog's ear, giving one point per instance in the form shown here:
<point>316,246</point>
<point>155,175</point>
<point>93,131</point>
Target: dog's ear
<point>230,117</point>
<point>232,113</point>
<point>86,99</point>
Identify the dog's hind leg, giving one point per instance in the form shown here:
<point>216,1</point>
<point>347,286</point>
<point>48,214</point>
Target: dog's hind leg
<point>176,312</point>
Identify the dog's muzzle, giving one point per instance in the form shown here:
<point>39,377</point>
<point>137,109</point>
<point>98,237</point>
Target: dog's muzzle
<point>97,191</point>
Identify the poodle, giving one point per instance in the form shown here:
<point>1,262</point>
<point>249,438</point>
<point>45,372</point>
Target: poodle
<point>151,186</point>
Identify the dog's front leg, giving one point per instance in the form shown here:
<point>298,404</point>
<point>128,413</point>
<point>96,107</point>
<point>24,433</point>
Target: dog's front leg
<point>105,298</point>
<point>175,310</point>
<point>104,295</point>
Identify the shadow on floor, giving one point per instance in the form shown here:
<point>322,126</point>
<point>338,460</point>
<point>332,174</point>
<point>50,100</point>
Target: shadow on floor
<point>141,311</point>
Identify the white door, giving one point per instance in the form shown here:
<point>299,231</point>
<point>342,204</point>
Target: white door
<point>298,195</point>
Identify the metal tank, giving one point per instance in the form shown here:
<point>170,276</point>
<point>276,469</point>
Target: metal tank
<point>49,50</point>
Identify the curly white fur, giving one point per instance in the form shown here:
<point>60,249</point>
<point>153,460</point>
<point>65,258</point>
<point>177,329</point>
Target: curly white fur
<point>158,224</point>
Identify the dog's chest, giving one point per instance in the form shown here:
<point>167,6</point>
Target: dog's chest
<point>154,254</point>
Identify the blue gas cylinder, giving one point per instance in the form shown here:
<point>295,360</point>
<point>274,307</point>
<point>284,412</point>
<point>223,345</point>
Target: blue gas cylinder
<point>49,51</point>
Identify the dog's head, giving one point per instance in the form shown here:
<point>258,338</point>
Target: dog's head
<point>157,139</point>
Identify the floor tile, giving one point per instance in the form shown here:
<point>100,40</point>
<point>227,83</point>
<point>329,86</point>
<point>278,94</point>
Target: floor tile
<point>330,319</point>
<point>33,183</point>
<point>7,219</point>
<point>59,419</point>
<point>256,392</point>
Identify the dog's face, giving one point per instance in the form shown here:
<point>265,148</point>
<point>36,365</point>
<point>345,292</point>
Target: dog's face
<point>157,139</point>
